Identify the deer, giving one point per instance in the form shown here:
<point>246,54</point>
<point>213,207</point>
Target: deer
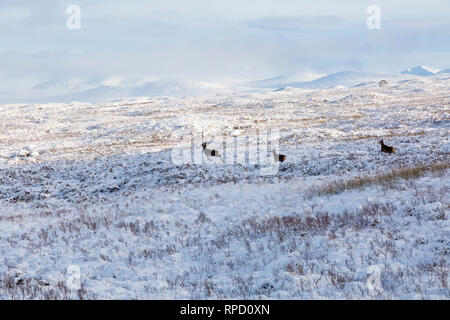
<point>385,148</point>
<point>210,152</point>
<point>278,157</point>
<point>382,83</point>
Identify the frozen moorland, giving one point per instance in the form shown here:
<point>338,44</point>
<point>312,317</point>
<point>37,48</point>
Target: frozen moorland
<point>94,186</point>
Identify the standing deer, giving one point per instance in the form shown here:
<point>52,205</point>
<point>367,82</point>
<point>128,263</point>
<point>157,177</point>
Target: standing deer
<point>385,148</point>
<point>210,152</point>
<point>278,157</point>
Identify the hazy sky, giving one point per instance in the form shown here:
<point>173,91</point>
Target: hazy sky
<point>214,40</point>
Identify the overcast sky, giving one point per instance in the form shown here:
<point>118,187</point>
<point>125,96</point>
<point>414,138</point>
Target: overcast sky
<point>214,40</point>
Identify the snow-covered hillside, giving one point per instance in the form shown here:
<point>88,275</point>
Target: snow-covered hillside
<point>421,71</point>
<point>100,90</point>
<point>343,78</point>
<point>94,187</point>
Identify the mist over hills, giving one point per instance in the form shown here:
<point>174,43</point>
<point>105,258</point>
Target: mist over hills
<point>346,78</point>
<point>101,90</point>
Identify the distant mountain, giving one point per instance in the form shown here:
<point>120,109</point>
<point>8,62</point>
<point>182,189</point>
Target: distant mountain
<point>343,78</point>
<point>65,84</point>
<point>420,71</point>
<point>102,93</point>
<point>283,79</point>
<point>101,90</point>
<point>270,82</point>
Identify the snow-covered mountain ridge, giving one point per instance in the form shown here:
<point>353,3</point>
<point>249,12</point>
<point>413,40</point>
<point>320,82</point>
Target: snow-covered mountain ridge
<point>102,90</point>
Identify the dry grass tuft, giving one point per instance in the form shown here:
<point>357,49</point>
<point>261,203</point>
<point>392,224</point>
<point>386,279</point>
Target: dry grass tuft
<point>387,179</point>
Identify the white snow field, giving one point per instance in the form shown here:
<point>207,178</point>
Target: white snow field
<point>92,187</point>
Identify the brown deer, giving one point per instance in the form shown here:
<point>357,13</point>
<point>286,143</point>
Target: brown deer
<point>278,157</point>
<point>385,148</point>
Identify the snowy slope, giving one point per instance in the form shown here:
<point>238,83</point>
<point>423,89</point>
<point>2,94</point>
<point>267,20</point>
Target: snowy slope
<point>284,79</point>
<point>420,71</point>
<point>270,82</point>
<point>343,78</point>
<point>93,185</point>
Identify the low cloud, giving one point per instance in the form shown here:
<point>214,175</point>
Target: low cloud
<point>12,15</point>
<point>162,41</point>
<point>295,23</point>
